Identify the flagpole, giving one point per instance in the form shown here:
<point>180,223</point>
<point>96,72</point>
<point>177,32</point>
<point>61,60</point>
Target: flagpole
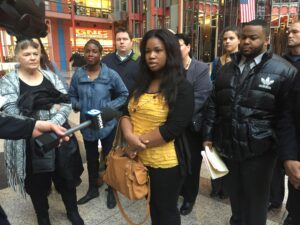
<point>1,51</point>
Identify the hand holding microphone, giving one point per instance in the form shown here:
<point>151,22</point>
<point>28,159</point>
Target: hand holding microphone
<point>95,120</point>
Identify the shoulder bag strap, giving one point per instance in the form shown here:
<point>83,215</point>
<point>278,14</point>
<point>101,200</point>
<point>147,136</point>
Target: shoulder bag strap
<point>119,140</point>
<point>126,217</point>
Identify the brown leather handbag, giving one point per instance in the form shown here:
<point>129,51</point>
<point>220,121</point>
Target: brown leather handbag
<point>125,175</point>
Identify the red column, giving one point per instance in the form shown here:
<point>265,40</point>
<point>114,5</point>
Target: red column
<point>179,28</point>
<point>114,36</point>
<point>73,24</point>
<point>130,15</point>
<point>152,14</point>
<point>1,52</point>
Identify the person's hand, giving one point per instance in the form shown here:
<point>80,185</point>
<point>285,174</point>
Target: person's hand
<point>144,141</point>
<point>46,126</point>
<point>292,169</point>
<point>209,144</point>
<point>135,142</point>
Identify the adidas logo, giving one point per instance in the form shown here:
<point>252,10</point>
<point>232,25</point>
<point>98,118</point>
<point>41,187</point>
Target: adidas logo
<point>266,83</point>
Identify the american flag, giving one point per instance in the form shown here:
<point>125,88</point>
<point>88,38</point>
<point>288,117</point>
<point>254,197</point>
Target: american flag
<point>247,10</point>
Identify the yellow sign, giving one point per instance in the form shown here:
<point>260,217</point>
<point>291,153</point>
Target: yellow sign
<point>84,34</point>
<point>93,33</point>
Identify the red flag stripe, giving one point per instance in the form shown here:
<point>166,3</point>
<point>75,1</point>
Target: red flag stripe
<point>247,11</point>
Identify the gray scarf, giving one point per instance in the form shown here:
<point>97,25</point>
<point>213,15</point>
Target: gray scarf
<point>15,160</point>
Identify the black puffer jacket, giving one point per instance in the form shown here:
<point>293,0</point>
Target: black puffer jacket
<point>290,141</point>
<point>242,120</point>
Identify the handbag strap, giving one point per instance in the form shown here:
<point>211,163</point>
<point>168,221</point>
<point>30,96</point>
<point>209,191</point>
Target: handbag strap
<point>119,140</point>
<point>124,214</point>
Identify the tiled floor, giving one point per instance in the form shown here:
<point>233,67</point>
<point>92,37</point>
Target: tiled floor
<point>207,211</point>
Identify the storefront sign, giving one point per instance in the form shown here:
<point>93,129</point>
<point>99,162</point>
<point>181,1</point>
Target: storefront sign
<point>94,33</point>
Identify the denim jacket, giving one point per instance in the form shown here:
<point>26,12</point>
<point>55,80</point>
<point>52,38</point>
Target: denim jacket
<point>86,94</point>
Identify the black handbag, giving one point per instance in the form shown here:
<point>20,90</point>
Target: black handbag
<point>65,160</point>
<point>68,161</point>
<point>42,162</point>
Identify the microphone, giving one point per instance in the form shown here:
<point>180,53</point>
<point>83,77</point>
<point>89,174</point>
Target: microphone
<point>95,120</point>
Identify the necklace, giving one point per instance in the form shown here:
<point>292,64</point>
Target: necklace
<point>136,106</point>
<point>92,75</point>
<point>188,64</point>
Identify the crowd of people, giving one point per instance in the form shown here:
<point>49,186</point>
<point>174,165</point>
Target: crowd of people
<point>247,109</point>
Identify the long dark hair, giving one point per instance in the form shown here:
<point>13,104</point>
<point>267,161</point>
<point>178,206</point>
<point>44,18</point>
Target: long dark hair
<point>45,62</point>
<point>171,75</point>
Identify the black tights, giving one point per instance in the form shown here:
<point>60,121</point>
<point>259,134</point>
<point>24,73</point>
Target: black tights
<point>38,186</point>
<point>165,188</point>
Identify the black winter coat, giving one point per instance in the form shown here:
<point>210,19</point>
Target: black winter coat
<point>290,144</point>
<point>242,120</point>
<point>14,128</point>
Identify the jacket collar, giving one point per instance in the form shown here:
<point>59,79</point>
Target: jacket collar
<point>125,60</point>
<point>236,58</point>
<point>290,57</point>
<point>103,73</point>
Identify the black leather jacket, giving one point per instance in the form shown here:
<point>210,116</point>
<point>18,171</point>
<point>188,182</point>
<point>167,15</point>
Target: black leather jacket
<point>242,120</point>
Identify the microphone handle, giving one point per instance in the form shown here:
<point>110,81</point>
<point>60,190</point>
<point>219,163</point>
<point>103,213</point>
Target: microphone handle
<point>78,127</point>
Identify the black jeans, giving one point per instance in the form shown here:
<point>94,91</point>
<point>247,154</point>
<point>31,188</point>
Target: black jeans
<point>190,186</point>
<point>218,186</point>
<point>165,188</point>
<point>277,185</point>
<point>292,204</point>
<point>3,217</point>
<point>38,186</point>
<point>248,184</point>
<point>92,155</point>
